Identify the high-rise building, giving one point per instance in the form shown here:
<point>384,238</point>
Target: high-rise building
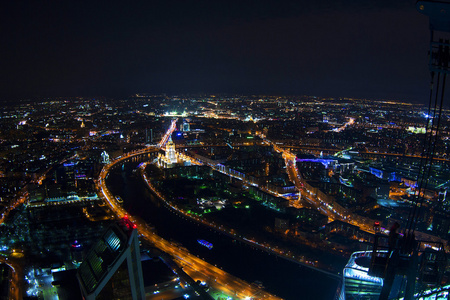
<point>357,283</point>
<point>186,126</point>
<point>65,175</point>
<point>105,157</point>
<point>171,156</point>
<point>112,267</point>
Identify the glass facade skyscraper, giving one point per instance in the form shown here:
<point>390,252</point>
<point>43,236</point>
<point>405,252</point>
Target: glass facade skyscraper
<point>112,268</point>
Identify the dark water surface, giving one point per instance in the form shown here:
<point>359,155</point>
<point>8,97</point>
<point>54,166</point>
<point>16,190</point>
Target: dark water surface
<point>279,276</point>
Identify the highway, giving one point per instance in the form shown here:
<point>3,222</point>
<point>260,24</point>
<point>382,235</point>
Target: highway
<point>192,265</point>
<point>333,210</point>
<point>201,270</point>
<point>262,245</point>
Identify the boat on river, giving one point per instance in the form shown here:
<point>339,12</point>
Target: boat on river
<point>205,243</point>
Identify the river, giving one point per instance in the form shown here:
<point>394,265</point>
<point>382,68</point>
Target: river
<point>279,276</point>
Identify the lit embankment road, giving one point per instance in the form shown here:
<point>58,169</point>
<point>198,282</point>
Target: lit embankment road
<point>217,278</point>
<point>262,245</point>
<point>192,265</point>
<point>331,210</point>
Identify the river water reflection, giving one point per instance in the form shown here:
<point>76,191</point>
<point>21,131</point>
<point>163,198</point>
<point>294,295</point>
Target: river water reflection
<point>279,276</point>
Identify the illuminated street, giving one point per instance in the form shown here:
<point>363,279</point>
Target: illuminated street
<point>238,149</point>
<point>195,267</point>
<point>15,262</point>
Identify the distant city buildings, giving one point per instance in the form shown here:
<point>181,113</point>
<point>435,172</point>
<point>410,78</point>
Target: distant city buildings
<point>357,159</point>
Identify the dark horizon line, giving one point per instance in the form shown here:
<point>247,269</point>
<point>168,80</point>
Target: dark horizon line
<point>9,100</point>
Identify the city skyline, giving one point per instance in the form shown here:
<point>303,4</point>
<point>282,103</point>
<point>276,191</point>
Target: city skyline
<point>331,49</point>
<point>278,182</point>
<point>224,149</point>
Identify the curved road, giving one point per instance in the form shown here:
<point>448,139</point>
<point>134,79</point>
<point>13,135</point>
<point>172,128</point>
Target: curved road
<point>192,265</point>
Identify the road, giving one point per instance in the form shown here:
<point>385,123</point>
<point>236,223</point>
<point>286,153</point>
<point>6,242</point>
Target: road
<point>16,283</point>
<point>333,210</point>
<point>195,267</point>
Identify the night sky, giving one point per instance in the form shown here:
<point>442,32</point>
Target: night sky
<point>339,48</point>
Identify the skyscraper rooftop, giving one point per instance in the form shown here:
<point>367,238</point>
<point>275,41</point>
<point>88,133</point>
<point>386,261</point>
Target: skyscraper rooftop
<point>112,266</point>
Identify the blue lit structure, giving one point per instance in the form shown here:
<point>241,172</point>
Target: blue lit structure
<point>357,283</point>
<point>377,172</point>
<point>205,243</point>
<point>323,161</point>
<point>336,163</point>
<point>440,293</point>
